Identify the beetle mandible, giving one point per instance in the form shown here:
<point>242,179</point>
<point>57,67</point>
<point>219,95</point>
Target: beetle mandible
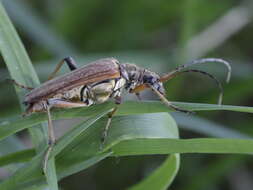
<point>99,81</point>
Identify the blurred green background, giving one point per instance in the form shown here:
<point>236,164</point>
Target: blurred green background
<point>159,35</point>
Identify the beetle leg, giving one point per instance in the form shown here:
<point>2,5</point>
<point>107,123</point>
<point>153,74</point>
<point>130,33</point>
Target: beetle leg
<point>110,115</point>
<point>168,103</point>
<point>106,129</point>
<point>60,103</point>
<point>70,62</point>
<point>118,100</point>
<point>138,96</point>
<point>51,137</point>
<point>18,84</point>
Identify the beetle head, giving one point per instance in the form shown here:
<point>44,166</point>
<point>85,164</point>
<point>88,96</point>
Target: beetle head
<point>139,79</point>
<point>153,79</point>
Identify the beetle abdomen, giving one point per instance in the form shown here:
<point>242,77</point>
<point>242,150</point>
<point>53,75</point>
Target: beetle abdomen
<point>73,94</point>
<point>94,93</point>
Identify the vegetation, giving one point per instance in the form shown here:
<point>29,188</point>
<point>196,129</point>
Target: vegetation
<point>144,147</point>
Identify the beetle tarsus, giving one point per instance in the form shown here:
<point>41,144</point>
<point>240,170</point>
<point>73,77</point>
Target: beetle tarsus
<point>46,157</point>
<point>168,103</point>
<point>181,110</point>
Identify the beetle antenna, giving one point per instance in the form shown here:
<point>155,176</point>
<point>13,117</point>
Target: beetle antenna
<point>168,103</point>
<point>217,82</point>
<point>198,61</point>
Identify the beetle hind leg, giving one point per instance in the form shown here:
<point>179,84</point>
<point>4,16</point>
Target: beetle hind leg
<point>70,62</point>
<point>18,84</point>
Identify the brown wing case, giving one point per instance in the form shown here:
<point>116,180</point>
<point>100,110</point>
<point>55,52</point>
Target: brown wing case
<point>96,71</point>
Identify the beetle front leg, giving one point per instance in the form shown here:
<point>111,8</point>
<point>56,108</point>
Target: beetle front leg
<point>168,103</point>
<point>108,124</point>
<point>106,129</point>
<point>138,96</point>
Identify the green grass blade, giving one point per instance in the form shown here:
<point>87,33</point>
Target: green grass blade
<point>128,108</point>
<point>33,169</point>
<point>192,123</point>
<point>157,106</point>
<point>162,177</point>
<point>197,145</point>
<point>51,175</point>
<point>151,146</point>
<point>21,70</point>
<point>75,132</point>
<point>85,149</point>
<point>17,157</point>
<point>38,30</point>
<point>131,135</point>
<point>8,146</point>
<point>88,144</point>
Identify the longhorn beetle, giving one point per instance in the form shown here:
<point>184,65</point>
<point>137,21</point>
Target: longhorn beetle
<point>99,81</point>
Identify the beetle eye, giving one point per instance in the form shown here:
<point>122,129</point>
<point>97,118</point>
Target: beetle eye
<point>149,79</point>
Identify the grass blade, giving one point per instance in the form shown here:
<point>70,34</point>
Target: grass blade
<point>152,146</point>
<point>37,29</point>
<point>21,70</point>
<point>196,145</point>
<point>89,139</point>
<point>128,108</point>
<point>17,157</point>
<point>162,177</point>
<point>33,169</point>
<point>8,146</point>
<point>130,135</point>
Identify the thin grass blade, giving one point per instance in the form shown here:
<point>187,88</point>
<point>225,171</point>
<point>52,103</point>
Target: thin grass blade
<point>21,70</point>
